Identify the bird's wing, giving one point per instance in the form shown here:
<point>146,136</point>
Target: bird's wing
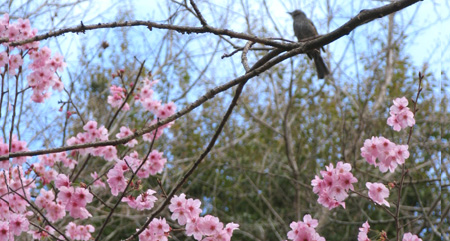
<point>313,27</point>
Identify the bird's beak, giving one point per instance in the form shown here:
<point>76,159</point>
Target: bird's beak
<point>290,13</point>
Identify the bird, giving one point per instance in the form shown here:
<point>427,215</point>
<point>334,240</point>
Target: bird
<point>304,29</point>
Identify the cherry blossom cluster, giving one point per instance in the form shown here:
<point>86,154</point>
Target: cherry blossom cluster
<point>304,230</point>
<point>43,66</point>
<point>145,96</point>
<point>152,165</point>
<point>39,234</point>
<point>79,232</point>
<point>158,229</point>
<point>144,201</point>
<point>44,73</point>
<point>149,137</point>
<point>17,31</point>
<point>72,199</point>
<point>410,237</point>
<point>364,230</point>
<point>44,170</point>
<point>92,134</point>
<point>207,228</point>
<point>124,132</point>
<point>388,154</point>
<point>401,117</point>
<point>15,225</point>
<point>117,97</point>
<point>14,189</point>
<point>333,188</point>
<point>16,146</point>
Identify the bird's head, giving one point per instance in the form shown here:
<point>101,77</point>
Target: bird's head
<point>297,13</point>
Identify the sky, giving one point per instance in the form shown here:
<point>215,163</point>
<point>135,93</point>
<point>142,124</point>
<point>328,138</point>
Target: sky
<point>423,24</point>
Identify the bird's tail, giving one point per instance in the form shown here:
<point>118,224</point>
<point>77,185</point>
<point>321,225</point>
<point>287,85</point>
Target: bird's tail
<point>321,67</point>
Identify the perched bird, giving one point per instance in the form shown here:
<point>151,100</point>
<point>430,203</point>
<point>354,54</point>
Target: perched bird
<point>304,29</point>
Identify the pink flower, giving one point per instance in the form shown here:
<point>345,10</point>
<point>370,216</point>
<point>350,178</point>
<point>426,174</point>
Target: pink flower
<point>55,212</point>
<point>98,182</point>
<point>16,203</point>
<point>209,225</point>
<point>62,181</point>
<point>304,230</point>
<point>3,59</point>
<point>177,207</point>
<point>18,224</point>
<point>160,226</point>
<point>193,230</point>
<point>110,153</point>
<point>91,126</point>
<point>150,136</point>
<point>151,105</point>
<point>230,227</point>
<point>124,132</point>
<point>18,146</point>
<point>192,208</point>
<point>45,197</point>
<point>333,188</point>
<point>401,117</point>
<point>117,96</point>
<point>4,231</point>
<point>388,154</point>
<point>156,162</point>
<point>166,110</point>
<point>116,181</point>
<point>399,105</point>
<point>146,93</point>
<point>79,232</point>
<point>144,201</point>
<point>362,235</point>
<point>378,192</point>
<point>82,196</point>
<point>157,230</point>
<point>65,194</point>
<point>38,234</point>
<point>410,237</point>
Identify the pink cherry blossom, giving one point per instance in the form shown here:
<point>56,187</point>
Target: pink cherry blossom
<point>124,132</point>
<point>144,201</point>
<point>333,188</point>
<point>98,182</point>
<point>363,231</point>
<point>304,230</point>
<point>18,223</point>
<point>79,232</point>
<point>3,59</point>
<point>378,192</point>
<point>209,225</point>
<point>62,181</point>
<point>38,234</point>
<point>150,136</point>
<point>410,237</point>
<point>157,230</point>
<point>388,154</point>
<point>116,181</point>
<point>45,197</point>
<point>400,115</point>
<point>117,97</point>
<point>4,231</point>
